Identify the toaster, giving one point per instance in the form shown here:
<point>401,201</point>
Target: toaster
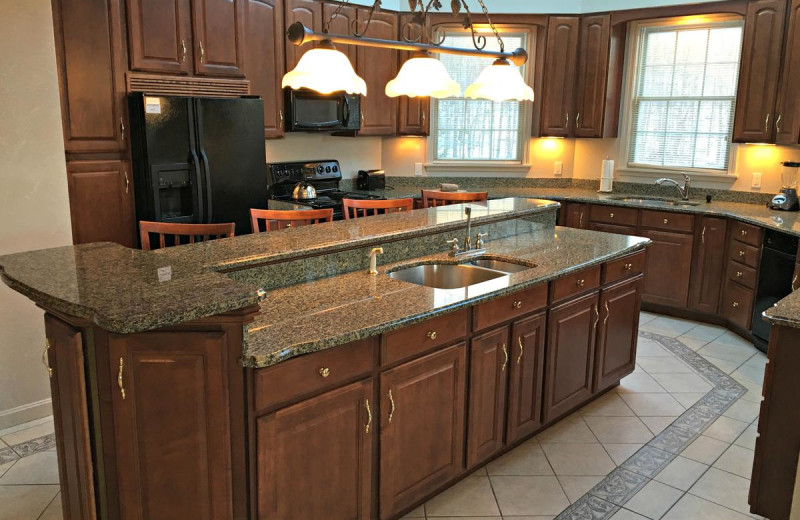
<point>371,180</point>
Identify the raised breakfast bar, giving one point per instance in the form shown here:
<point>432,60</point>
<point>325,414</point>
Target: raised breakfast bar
<point>271,376</point>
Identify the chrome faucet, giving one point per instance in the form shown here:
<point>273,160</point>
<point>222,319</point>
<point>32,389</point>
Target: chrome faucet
<point>687,182</point>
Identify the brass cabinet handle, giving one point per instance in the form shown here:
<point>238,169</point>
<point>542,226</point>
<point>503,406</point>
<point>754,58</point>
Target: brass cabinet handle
<point>324,371</point>
<point>505,361</point>
<point>183,51</point>
<point>580,220</point>
<point>280,115</point>
<point>391,411</point>
<point>202,52</point>
<point>596,316</point>
<point>608,313</point>
<point>121,129</point>
<point>45,360</point>
<point>521,349</point>
<point>794,282</point>
<point>369,416</point>
<point>703,235</point>
<point>432,334</point>
<point>744,232</point>
<point>120,383</point>
<point>778,123</point>
<point>580,283</point>
<point>423,118</point>
<point>739,274</point>
<point>363,119</point>
<point>666,221</point>
<point>578,120</point>
<point>567,120</point>
<point>735,304</point>
<point>127,182</point>
<point>517,305</point>
<point>766,124</point>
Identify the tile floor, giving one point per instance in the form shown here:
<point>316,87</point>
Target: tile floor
<point>674,441</point>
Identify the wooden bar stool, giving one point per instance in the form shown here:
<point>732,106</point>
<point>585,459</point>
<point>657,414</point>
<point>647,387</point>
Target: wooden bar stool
<point>193,231</point>
<point>275,219</point>
<point>432,198</point>
<point>361,208</point>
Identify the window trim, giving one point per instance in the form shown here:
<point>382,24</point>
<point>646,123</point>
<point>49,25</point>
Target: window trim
<point>468,165</point>
<point>631,59</point>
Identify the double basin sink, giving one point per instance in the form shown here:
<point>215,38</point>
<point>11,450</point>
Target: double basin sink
<point>656,201</point>
<point>456,276</point>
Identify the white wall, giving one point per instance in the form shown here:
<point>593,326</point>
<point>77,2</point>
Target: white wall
<point>34,207</point>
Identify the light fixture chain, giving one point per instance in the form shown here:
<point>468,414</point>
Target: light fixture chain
<point>491,24</point>
<point>335,13</point>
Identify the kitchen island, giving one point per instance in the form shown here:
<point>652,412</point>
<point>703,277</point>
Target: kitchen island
<point>270,376</point>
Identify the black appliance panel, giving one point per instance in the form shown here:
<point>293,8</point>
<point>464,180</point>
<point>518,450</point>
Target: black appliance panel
<point>309,111</point>
<point>371,180</point>
<point>775,278</point>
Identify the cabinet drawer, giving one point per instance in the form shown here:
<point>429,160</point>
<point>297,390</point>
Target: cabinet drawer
<point>312,373</point>
<point>737,305</point>
<point>508,307</point>
<point>624,267</point>
<point>746,233</point>
<point>575,283</point>
<point>742,274</point>
<point>665,220</point>
<point>744,254</point>
<point>422,337</point>
<point>614,215</point>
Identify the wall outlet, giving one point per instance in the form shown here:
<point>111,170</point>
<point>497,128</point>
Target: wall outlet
<point>418,169</point>
<point>558,169</point>
<point>756,180</point>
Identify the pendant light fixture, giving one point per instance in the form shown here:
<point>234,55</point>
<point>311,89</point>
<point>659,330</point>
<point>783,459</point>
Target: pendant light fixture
<point>500,82</point>
<point>326,70</point>
<point>423,76</point>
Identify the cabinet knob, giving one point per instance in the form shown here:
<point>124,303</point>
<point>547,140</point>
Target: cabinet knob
<point>735,304</point>
<point>432,334</point>
<point>744,232</point>
<point>628,266</point>
<point>611,215</point>
<point>666,221</point>
<point>517,305</point>
<point>742,253</point>
<point>580,283</point>
<point>739,274</point>
<point>324,371</point>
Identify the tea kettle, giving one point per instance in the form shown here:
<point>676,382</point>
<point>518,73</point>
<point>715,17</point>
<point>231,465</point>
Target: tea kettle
<point>304,191</point>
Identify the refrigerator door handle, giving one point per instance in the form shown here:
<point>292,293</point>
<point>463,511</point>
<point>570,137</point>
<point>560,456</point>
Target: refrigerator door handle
<point>207,172</point>
<point>199,186</point>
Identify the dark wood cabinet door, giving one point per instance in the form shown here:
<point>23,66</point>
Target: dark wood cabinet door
<point>577,216</point>
<point>759,71</point>
<point>181,377</point>
<point>342,23</point>
<point>667,269</point>
<point>159,35</point>
<point>265,60</point>
<point>590,97</point>
<point>488,374</point>
<point>572,329</point>
<point>309,13</point>
<point>787,122</point>
<point>412,118</point>
<point>378,67</point>
<point>558,114</point>
<point>101,202</point>
<point>64,350</point>
<point>91,75</point>
<point>315,458</point>
<point>618,333</point>
<point>219,37</point>
<point>708,264</point>
<point>422,427</point>
<point>526,375</point>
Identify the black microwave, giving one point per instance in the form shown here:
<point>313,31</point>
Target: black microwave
<point>309,111</point>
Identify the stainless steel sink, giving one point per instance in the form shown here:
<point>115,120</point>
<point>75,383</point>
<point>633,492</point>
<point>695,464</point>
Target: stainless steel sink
<point>500,265</point>
<point>656,201</point>
<point>446,276</point>
<point>638,200</point>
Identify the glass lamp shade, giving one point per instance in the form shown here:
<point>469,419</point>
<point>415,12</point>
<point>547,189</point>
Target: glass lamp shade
<point>325,70</point>
<point>423,75</point>
<point>500,82</point>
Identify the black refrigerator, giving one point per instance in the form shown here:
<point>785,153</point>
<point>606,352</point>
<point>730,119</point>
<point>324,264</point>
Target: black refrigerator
<point>198,160</point>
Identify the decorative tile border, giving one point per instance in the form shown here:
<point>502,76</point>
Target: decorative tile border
<point>7,455</point>
<point>619,486</point>
<point>27,448</point>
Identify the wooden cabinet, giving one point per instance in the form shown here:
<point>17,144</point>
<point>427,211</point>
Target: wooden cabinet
<point>159,35</point>
<point>613,228</point>
<point>309,12</point>
<point>378,67</point>
<point>577,215</point>
<point>668,267</point>
<point>101,202</point>
<point>412,117</point>
<point>760,71</point>
<point>90,75</point>
<point>560,75</point>
<point>422,427</point>
<point>787,121</point>
<point>173,424</point>
<point>708,264</point>
<point>526,374</point>
<point>70,418</point>
<point>593,61</point>
<point>315,458</point>
<point>342,23</point>
<point>488,375</point>
<point>219,35</point>
<point>264,58</point>
<point>618,333</point>
<point>571,333</point>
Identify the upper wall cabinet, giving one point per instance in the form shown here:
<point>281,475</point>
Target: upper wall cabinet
<point>309,13</point>
<point>184,36</point>
<point>412,116</point>
<point>787,120</point>
<point>592,75</point>
<point>90,75</point>
<point>265,60</point>
<point>378,67</point>
<point>559,76</point>
<point>760,71</point>
<point>342,23</point>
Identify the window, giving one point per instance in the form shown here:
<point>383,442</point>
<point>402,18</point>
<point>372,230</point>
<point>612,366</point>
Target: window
<point>475,130</point>
<point>683,95</point>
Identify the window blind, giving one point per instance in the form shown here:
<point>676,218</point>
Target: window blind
<point>684,96</point>
<point>473,129</point>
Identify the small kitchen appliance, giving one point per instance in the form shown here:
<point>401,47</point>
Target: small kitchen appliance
<point>787,200</point>
<point>371,180</point>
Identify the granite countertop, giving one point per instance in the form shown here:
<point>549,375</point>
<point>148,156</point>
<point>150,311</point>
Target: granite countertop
<point>126,290</point>
<point>786,312</point>
<point>348,307</point>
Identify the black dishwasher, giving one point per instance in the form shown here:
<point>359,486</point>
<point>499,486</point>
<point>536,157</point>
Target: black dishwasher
<point>774,278</point>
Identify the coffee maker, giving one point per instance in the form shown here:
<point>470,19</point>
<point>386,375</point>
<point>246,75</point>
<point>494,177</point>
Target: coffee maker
<point>786,200</point>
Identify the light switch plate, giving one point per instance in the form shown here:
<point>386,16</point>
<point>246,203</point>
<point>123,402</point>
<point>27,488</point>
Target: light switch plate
<point>756,180</point>
<point>418,169</point>
<point>558,169</point>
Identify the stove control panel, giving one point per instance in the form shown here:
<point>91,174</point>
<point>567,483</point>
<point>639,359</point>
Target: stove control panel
<point>285,173</point>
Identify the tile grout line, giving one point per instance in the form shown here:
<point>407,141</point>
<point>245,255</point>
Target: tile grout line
<point>47,506</point>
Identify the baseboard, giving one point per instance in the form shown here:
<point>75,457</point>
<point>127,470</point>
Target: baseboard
<point>25,413</point>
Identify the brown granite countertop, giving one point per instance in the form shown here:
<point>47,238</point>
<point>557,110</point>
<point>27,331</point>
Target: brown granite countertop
<point>352,306</point>
<point>786,312</point>
<point>125,290</point>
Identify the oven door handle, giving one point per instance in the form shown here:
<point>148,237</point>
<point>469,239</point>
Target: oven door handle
<point>345,111</point>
